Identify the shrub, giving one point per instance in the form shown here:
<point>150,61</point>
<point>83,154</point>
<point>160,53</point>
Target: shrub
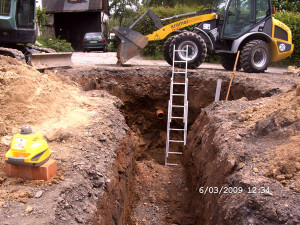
<point>50,41</point>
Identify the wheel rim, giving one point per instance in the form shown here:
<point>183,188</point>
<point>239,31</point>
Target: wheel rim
<point>192,50</point>
<point>259,58</point>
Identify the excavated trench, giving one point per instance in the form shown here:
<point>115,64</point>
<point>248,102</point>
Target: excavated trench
<point>151,192</point>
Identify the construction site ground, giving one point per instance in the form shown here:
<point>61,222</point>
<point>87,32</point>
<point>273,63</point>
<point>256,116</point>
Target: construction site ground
<point>240,165</point>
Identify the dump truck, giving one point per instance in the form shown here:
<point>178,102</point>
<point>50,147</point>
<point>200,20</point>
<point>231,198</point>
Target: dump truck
<point>228,27</point>
<point>18,33</point>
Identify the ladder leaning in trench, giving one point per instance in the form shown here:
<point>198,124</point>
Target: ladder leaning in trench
<point>176,80</point>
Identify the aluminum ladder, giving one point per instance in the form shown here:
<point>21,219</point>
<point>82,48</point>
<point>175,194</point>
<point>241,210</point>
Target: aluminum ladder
<point>177,75</point>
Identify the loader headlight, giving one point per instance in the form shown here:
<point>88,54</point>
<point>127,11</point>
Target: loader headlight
<point>282,47</point>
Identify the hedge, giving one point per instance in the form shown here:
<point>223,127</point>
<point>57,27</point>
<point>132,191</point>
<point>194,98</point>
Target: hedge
<point>292,20</point>
<point>50,41</point>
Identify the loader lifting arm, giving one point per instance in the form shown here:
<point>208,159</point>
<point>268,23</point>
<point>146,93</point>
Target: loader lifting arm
<point>166,30</point>
<point>132,42</point>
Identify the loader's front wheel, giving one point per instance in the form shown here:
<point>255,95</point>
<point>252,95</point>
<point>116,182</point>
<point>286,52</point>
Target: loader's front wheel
<point>166,52</point>
<point>255,56</point>
<point>195,45</point>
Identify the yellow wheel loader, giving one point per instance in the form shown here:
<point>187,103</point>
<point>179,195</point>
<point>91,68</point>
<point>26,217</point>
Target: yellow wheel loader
<point>17,32</point>
<point>231,26</point>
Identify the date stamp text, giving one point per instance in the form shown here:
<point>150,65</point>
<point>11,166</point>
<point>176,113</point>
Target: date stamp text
<point>234,190</point>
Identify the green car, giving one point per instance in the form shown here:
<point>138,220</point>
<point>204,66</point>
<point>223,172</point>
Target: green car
<point>94,41</point>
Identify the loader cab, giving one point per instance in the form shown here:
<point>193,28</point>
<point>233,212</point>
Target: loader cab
<point>238,17</point>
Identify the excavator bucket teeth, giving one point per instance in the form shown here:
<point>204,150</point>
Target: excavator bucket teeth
<point>130,43</point>
<point>51,60</point>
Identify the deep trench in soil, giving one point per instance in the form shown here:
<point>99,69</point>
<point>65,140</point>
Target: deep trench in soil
<point>157,194</point>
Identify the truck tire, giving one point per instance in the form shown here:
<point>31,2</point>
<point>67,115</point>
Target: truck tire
<point>228,60</point>
<point>196,46</point>
<point>255,56</point>
<point>166,52</point>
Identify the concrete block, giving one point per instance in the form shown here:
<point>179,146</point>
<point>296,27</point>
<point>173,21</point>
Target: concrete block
<point>43,172</point>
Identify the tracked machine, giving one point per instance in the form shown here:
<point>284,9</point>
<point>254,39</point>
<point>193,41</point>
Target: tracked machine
<point>231,26</point>
<point>17,32</point>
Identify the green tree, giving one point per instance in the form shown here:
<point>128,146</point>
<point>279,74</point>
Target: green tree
<point>42,17</point>
<point>286,5</point>
<point>123,10</point>
<point>172,3</point>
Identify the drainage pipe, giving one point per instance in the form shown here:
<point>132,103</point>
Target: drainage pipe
<point>160,114</point>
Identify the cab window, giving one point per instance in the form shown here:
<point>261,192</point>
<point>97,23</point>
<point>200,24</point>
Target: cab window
<point>262,10</point>
<point>5,7</point>
<point>240,18</point>
<point>25,13</point>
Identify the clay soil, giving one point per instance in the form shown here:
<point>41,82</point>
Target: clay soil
<point>101,125</point>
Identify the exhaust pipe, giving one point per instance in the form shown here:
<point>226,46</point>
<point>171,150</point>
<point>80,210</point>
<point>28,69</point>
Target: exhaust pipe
<point>160,114</point>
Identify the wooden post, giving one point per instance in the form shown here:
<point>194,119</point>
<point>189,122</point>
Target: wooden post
<point>234,70</point>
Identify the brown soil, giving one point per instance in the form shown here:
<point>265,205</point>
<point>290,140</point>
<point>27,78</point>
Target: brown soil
<point>85,132</point>
<point>110,150</point>
<point>282,115</point>
<point>246,144</point>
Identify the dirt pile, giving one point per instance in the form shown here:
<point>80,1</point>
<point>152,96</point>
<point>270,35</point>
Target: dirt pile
<point>293,70</point>
<point>29,97</point>
<point>281,117</point>
<point>15,195</point>
<point>84,131</point>
<point>245,161</point>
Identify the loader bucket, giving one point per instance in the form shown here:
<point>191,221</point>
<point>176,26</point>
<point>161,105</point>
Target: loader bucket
<point>130,43</point>
<point>51,60</point>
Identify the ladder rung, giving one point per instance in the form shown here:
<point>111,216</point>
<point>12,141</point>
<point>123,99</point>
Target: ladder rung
<point>179,72</point>
<point>179,83</point>
<point>176,141</point>
<point>171,164</point>
<point>176,153</point>
<point>180,50</point>
<point>178,94</point>
<point>177,117</point>
<point>178,106</point>
<point>179,61</point>
<point>176,129</point>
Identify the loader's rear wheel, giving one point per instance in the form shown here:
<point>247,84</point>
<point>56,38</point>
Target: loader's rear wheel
<point>255,56</point>
<point>196,46</point>
<point>166,51</point>
<point>228,60</point>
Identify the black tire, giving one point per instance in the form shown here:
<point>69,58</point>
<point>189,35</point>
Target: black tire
<point>228,60</point>
<point>166,52</point>
<point>255,56</point>
<point>197,49</point>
